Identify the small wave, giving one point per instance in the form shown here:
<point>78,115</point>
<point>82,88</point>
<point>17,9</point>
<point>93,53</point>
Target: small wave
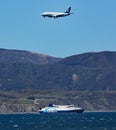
<point>102,119</point>
<point>92,118</point>
<point>11,121</point>
<point>15,126</point>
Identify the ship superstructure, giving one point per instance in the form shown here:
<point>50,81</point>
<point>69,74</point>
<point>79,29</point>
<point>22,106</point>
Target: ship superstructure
<point>61,109</point>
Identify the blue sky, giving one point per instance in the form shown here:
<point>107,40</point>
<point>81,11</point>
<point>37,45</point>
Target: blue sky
<point>92,27</point>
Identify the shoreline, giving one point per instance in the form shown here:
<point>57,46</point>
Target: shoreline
<point>67,113</point>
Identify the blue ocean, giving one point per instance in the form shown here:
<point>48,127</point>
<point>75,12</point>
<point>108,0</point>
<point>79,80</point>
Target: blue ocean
<point>83,121</point>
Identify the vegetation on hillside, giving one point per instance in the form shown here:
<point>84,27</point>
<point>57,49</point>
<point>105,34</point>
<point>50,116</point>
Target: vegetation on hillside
<point>32,100</point>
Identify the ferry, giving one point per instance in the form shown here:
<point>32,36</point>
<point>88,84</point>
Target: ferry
<point>61,109</point>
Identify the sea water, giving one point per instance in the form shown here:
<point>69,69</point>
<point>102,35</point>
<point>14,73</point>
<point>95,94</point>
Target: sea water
<point>83,121</point>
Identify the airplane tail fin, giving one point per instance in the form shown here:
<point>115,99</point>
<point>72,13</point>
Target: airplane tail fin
<point>68,10</point>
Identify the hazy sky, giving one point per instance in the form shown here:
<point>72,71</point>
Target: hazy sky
<point>91,28</point>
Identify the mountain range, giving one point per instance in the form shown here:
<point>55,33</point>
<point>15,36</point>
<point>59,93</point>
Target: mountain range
<point>94,71</point>
<point>87,79</point>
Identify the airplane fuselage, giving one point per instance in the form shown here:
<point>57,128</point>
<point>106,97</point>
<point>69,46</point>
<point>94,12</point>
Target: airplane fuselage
<point>54,14</point>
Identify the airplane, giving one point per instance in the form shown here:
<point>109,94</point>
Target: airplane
<point>56,14</point>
